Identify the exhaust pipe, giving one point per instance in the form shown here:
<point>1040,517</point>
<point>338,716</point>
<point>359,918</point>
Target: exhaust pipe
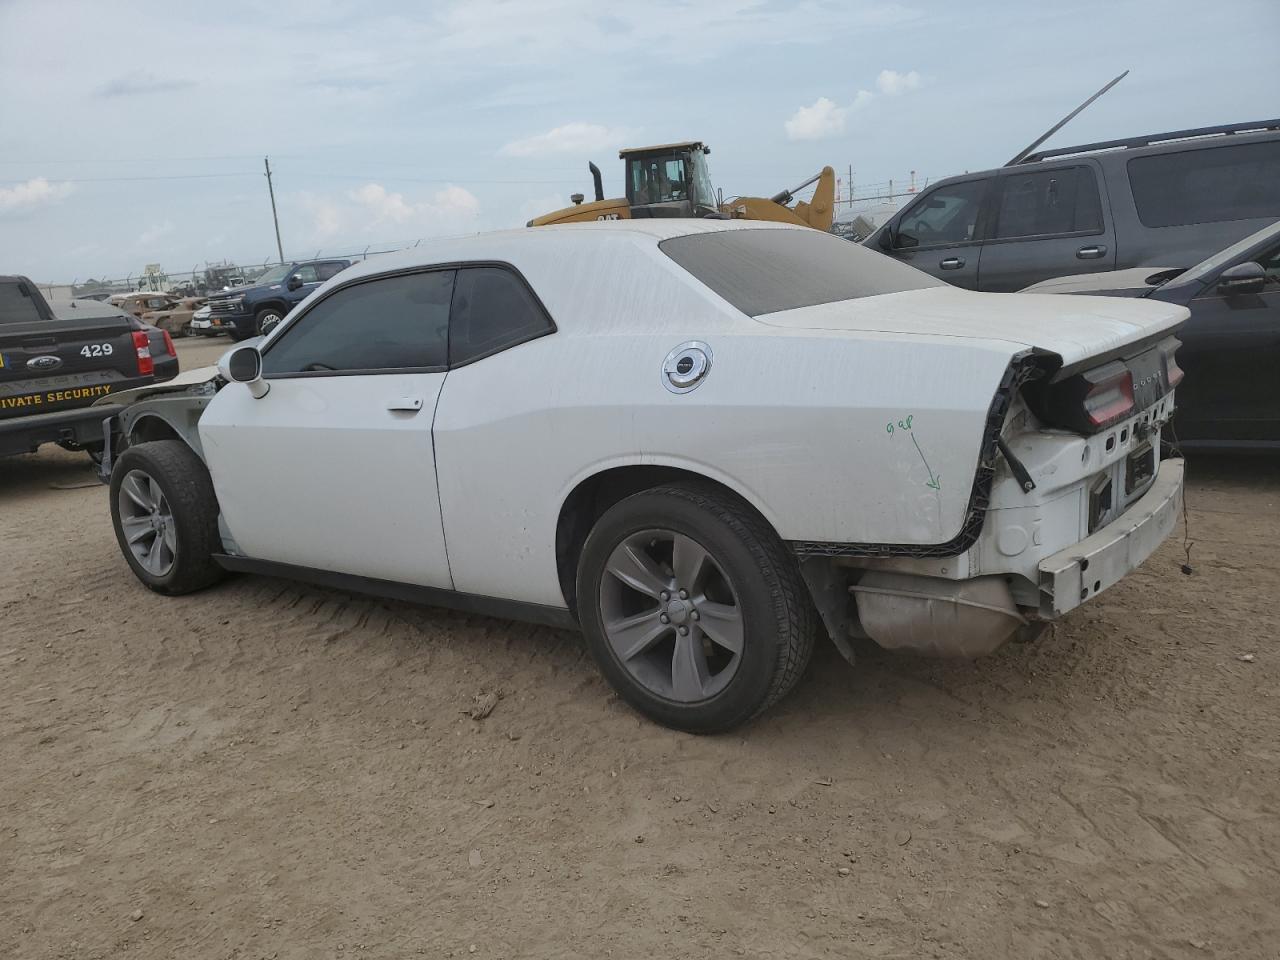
<point>595,175</point>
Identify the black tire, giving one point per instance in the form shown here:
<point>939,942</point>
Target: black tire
<point>263,315</point>
<point>188,492</point>
<point>778,620</point>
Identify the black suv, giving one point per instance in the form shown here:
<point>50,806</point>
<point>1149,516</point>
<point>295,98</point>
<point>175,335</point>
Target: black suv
<point>244,311</point>
<point>1167,199</point>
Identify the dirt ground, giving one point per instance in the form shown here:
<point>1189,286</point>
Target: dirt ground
<point>272,770</point>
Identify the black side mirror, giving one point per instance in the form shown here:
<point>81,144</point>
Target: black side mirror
<point>294,282</point>
<point>1243,278</point>
<point>886,237</point>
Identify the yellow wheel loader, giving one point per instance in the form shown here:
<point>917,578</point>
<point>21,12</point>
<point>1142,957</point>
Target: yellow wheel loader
<point>672,180</point>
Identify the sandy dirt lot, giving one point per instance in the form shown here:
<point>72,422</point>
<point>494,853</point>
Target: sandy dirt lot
<point>271,770</point>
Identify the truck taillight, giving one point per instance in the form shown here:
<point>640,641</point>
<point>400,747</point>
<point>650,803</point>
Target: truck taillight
<point>169,348</point>
<point>1110,398</point>
<point>142,346</point>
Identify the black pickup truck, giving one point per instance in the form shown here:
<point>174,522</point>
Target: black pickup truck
<point>55,363</point>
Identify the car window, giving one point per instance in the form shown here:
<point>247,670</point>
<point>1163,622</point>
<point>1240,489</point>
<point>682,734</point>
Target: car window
<point>327,271</point>
<point>765,271</point>
<point>1048,202</point>
<point>307,273</point>
<point>946,215</point>
<point>1207,185</point>
<point>389,323</point>
<point>492,310</point>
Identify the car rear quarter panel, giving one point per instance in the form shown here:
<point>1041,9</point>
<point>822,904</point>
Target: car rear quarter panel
<point>867,438</point>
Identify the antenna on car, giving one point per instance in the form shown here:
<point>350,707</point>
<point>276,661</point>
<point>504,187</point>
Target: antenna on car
<point>1064,121</point>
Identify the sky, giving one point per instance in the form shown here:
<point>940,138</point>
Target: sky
<point>134,132</point>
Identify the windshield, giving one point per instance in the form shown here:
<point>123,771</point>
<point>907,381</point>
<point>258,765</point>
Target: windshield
<point>764,271</point>
<point>275,274</point>
<point>703,192</point>
<point>1205,268</point>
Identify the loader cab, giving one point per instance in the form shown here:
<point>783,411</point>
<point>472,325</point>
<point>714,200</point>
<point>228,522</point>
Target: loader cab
<point>672,180</point>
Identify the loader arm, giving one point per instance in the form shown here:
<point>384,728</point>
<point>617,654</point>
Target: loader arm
<point>818,212</point>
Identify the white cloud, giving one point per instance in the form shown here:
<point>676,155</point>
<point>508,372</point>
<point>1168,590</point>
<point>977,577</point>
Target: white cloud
<point>575,138</point>
<point>36,192</point>
<point>826,118</point>
<point>891,82</point>
<point>372,210</point>
<point>155,232</point>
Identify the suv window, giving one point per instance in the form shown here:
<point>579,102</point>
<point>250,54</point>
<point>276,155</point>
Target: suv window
<point>1049,202</point>
<point>947,215</point>
<point>327,271</point>
<point>1203,186</point>
<point>390,323</point>
<point>492,310</point>
<point>307,273</point>
<point>764,271</point>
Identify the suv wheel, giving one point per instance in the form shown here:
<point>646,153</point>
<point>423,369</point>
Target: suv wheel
<point>165,516</point>
<point>693,608</point>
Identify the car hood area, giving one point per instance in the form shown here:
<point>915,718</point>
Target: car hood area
<point>1074,328</point>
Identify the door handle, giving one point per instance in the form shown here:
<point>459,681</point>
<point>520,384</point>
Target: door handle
<point>1091,253</point>
<point>952,263</point>
<point>406,404</point>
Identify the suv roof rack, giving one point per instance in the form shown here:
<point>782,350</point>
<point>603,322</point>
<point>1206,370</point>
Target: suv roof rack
<point>1149,140</point>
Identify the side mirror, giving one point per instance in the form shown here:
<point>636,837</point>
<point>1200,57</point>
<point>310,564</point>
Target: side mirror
<point>886,237</point>
<point>1243,278</point>
<point>243,364</point>
<point>294,282</point>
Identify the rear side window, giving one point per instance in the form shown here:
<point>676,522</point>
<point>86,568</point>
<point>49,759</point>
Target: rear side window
<point>1048,203</point>
<point>327,271</point>
<point>392,323</point>
<point>16,304</point>
<point>764,271</point>
<point>492,310</point>
<point>1207,185</point>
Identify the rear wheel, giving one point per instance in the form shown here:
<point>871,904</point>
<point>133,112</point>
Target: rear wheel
<point>165,516</point>
<point>693,608</point>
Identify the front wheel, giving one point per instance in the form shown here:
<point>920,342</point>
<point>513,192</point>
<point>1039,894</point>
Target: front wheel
<point>165,516</point>
<point>693,609</point>
<point>265,320</point>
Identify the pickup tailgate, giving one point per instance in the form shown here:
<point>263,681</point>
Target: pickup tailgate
<point>47,365</point>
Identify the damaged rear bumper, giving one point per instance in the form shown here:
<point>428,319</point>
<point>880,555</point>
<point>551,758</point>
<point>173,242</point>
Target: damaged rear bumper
<point>1070,577</point>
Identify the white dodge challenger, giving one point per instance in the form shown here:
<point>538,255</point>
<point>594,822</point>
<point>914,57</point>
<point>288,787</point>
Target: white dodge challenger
<point>701,442</point>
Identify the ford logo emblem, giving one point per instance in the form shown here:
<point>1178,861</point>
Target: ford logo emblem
<point>46,362</point>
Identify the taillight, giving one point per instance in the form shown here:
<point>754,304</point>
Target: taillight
<point>169,348</point>
<point>1109,397</point>
<point>1173,373</point>
<point>142,346</point>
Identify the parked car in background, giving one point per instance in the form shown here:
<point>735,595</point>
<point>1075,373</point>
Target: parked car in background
<point>1230,346</point>
<point>692,438</point>
<point>176,316</point>
<point>56,361</point>
<point>142,301</point>
<point>201,325</point>
<point>244,311</point>
<point>1169,198</point>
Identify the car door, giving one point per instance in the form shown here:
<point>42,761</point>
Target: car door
<point>941,232</point>
<point>1231,355</point>
<point>1046,223</point>
<point>334,467</point>
<point>307,280</point>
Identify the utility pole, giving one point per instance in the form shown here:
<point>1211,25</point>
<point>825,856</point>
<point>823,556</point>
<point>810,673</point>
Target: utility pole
<point>266,162</point>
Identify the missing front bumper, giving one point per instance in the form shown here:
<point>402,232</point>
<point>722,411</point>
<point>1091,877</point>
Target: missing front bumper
<point>1070,577</point>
